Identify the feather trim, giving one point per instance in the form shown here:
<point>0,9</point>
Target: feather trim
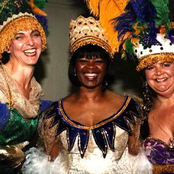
<point>140,163</point>
<point>106,10</point>
<point>37,162</point>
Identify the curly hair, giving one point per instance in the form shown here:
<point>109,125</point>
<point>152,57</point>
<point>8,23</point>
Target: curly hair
<point>148,97</point>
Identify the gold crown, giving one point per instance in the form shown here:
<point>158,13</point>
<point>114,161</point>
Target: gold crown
<point>84,31</point>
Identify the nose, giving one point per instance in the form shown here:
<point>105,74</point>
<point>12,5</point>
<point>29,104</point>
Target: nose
<point>91,64</point>
<point>159,71</point>
<point>29,40</point>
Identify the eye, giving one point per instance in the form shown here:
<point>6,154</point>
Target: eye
<point>150,67</point>
<point>19,37</point>
<point>36,34</point>
<point>82,60</point>
<point>99,61</point>
<point>167,64</point>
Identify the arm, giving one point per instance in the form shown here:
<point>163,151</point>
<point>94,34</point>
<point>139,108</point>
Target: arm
<point>54,151</point>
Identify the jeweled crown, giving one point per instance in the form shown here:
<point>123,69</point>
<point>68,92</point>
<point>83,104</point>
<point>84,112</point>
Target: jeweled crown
<point>84,31</point>
<point>162,51</point>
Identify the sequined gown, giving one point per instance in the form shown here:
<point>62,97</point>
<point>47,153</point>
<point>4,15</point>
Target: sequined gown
<point>19,122</point>
<point>100,149</point>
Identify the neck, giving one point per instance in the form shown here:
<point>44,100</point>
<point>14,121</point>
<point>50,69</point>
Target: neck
<point>164,101</point>
<point>90,94</point>
<point>21,75</point>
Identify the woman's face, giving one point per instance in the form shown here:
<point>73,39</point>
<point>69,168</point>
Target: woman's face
<point>90,71</point>
<point>26,47</point>
<point>160,77</point>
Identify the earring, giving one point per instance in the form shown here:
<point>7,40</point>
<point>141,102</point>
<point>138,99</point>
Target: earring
<point>145,84</point>
<point>74,72</point>
<point>106,83</point>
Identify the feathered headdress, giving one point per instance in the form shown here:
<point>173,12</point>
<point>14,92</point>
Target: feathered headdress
<point>106,10</point>
<point>17,15</point>
<point>144,31</point>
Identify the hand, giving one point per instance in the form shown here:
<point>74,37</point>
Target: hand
<point>12,156</point>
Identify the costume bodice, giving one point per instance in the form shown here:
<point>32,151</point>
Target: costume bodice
<point>158,152</point>
<point>95,149</point>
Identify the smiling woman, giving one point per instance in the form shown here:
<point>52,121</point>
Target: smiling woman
<point>22,40</point>
<point>149,38</point>
<point>160,77</point>
<point>25,48</point>
<point>93,130</point>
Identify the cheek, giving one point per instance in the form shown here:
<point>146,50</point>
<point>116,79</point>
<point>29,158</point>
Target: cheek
<point>104,69</point>
<point>171,72</point>
<point>148,75</point>
<point>15,47</point>
<point>78,67</point>
<point>38,42</point>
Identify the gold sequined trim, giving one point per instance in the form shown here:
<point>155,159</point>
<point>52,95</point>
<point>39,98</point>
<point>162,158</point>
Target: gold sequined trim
<point>19,24</point>
<point>93,41</point>
<point>157,169</point>
<point>97,125</point>
<point>154,58</point>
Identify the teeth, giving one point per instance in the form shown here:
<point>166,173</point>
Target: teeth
<point>30,51</point>
<point>90,75</point>
<point>160,80</point>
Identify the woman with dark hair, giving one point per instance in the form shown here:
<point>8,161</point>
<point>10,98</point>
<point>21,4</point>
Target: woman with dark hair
<point>90,51</point>
<point>93,130</point>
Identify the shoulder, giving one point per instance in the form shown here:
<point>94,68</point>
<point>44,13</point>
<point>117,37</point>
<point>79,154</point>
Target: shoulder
<point>136,99</point>
<point>114,97</point>
<point>47,127</point>
<point>45,104</point>
<point>50,108</point>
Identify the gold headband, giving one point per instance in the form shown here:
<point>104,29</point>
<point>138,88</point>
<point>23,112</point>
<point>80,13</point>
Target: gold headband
<point>18,23</point>
<point>154,58</point>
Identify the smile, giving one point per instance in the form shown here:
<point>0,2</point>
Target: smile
<point>90,75</point>
<point>161,80</point>
<point>30,52</point>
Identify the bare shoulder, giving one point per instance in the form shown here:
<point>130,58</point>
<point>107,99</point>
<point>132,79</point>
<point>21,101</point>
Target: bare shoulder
<point>114,101</point>
<point>69,99</point>
<point>112,96</point>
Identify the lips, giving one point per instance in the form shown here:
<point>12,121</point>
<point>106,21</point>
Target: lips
<point>90,76</point>
<point>161,79</point>
<point>30,52</point>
